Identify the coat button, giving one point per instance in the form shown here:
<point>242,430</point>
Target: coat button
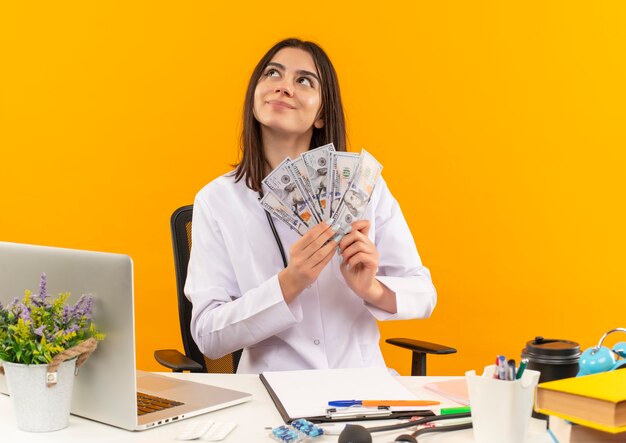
<point>316,341</point>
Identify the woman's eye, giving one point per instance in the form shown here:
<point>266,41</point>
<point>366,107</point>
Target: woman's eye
<point>271,73</point>
<point>305,81</point>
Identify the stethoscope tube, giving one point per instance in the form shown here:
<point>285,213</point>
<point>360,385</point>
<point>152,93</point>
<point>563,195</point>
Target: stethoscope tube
<point>360,434</point>
<point>411,438</point>
<point>275,232</point>
<point>421,421</point>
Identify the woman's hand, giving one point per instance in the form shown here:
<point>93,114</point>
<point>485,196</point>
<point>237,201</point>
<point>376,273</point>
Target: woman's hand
<point>360,265</point>
<point>307,257</point>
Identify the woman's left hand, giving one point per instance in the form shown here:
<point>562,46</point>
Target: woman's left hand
<point>360,264</point>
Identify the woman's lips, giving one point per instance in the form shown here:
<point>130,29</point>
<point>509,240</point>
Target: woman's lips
<point>280,104</point>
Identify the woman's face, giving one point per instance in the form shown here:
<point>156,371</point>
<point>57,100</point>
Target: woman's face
<point>287,97</point>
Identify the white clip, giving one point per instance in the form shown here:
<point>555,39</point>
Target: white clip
<point>51,378</point>
<point>355,412</point>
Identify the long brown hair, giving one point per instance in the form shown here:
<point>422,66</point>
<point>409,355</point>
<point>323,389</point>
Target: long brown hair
<point>253,164</point>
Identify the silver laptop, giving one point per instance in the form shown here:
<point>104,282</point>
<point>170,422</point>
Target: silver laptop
<point>107,386</point>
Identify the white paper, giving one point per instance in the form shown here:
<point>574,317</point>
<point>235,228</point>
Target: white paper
<point>307,393</point>
<point>455,390</point>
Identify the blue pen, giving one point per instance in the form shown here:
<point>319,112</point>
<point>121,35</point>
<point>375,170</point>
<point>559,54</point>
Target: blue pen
<point>502,367</point>
<point>344,403</point>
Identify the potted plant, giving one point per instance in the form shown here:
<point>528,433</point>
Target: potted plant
<point>42,342</point>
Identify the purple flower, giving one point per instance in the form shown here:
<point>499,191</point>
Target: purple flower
<point>42,286</point>
<point>73,328</point>
<point>67,314</point>
<point>83,306</point>
<point>11,306</point>
<point>40,300</point>
<point>39,331</point>
<point>24,312</point>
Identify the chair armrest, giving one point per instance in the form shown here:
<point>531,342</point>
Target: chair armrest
<point>421,346</point>
<point>420,349</point>
<point>177,362</point>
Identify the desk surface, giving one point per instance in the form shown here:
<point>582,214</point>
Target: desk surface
<point>252,418</point>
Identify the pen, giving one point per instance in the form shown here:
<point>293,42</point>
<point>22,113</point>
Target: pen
<point>348,403</point>
<point>502,367</point>
<point>459,410</point>
<point>522,366</point>
<point>511,370</point>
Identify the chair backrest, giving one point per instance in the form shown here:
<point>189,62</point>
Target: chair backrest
<point>181,240</point>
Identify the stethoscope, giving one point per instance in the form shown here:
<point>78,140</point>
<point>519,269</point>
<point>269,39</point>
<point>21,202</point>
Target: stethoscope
<point>360,434</point>
<point>275,232</point>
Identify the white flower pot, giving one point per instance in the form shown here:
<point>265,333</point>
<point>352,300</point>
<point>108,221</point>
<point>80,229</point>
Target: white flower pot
<point>39,408</point>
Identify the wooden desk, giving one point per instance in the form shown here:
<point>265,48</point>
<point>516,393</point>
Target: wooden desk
<point>252,419</point>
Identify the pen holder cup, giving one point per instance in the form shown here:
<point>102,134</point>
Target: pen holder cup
<point>501,409</point>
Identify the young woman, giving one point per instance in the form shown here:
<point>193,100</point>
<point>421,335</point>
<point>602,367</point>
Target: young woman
<point>317,307</point>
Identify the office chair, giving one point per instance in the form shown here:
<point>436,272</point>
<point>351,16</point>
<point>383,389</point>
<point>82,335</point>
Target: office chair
<point>194,361</point>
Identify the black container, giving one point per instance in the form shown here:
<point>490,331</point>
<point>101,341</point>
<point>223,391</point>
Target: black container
<point>554,358</point>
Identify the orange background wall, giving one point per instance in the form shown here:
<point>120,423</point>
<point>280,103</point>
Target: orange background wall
<point>500,126</point>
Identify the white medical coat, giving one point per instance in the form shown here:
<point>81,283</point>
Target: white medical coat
<point>233,284</point>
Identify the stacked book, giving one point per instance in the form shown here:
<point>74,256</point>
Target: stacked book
<point>591,408</point>
<point>319,185</point>
<point>564,431</point>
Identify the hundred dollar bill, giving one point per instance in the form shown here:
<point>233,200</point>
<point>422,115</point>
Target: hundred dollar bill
<point>342,168</point>
<point>283,183</point>
<point>317,163</point>
<point>272,204</point>
<point>357,196</point>
<point>299,170</point>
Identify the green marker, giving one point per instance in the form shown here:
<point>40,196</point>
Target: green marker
<point>460,410</point>
<point>520,370</point>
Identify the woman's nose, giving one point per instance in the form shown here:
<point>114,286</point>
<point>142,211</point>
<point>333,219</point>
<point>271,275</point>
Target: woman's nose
<point>284,88</point>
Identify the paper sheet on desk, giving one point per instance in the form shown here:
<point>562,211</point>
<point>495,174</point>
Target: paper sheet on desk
<point>455,389</point>
<point>307,393</point>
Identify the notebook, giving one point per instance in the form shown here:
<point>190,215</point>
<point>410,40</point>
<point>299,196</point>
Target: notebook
<point>107,385</point>
<point>305,394</point>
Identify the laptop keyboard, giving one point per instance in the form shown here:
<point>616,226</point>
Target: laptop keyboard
<point>147,403</point>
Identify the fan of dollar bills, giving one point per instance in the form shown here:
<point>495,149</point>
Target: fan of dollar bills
<point>321,184</point>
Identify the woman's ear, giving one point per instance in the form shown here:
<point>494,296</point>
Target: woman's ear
<point>319,124</point>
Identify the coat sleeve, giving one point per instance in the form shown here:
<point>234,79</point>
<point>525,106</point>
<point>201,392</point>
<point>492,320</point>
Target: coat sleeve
<point>223,319</point>
<point>400,267</point>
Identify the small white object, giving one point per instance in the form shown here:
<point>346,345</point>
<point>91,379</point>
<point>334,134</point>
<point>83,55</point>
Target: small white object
<point>51,378</point>
<point>207,430</point>
<point>333,429</point>
<point>195,429</point>
<point>219,431</point>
